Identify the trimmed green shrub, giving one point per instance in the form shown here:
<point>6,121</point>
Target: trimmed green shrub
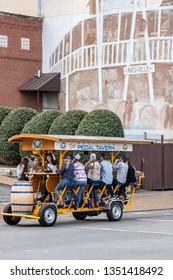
<point>41,123</point>
<point>4,111</point>
<point>67,123</point>
<point>12,125</point>
<point>101,123</point>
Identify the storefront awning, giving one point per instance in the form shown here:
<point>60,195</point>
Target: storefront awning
<point>49,82</point>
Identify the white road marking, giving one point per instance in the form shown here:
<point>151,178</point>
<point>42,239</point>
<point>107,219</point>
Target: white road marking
<point>43,250</point>
<point>150,212</point>
<point>139,213</point>
<point>155,220</point>
<point>126,230</point>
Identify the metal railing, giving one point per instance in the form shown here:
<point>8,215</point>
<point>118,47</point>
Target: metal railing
<point>116,54</point>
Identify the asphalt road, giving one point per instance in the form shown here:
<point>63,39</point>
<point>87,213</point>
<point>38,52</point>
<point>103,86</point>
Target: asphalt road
<point>5,193</point>
<point>139,235</point>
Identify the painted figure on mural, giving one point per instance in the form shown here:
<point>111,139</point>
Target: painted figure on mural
<point>168,87</point>
<point>168,122</point>
<point>127,115</point>
<point>91,38</point>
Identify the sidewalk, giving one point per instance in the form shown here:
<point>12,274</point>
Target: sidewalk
<point>4,180</point>
<point>152,200</point>
<point>143,200</point>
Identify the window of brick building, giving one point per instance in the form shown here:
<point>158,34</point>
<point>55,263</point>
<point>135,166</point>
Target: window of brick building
<point>25,43</point>
<point>3,41</point>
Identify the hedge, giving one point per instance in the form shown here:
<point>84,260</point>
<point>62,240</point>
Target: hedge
<point>41,123</point>
<point>67,123</point>
<point>12,125</point>
<point>4,111</point>
<point>101,122</point>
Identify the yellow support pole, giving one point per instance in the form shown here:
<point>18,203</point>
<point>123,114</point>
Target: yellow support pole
<point>62,193</point>
<point>131,199</point>
<point>102,191</point>
<point>87,196</point>
<point>113,156</point>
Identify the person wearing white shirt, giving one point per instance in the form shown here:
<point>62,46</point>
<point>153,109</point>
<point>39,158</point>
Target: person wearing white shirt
<point>121,167</point>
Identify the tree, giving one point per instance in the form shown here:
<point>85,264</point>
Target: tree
<point>41,123</point>
<point>12,125</point>
<point>4,111</point>
<point>101,122</point>
<point>67,123</point>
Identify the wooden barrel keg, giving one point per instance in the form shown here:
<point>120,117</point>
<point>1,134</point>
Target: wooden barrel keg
<point>22,197</point>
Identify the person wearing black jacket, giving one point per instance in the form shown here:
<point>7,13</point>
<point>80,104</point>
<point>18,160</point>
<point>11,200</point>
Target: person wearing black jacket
<point>130,179</point>
<point>67,173</point>
<point>131,174</point>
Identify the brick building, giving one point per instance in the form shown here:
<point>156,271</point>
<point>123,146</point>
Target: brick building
<point>20,58</point>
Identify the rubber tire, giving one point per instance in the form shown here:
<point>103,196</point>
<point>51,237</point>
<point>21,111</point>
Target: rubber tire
<point>48,215</point>
<point>80,215</point>
<point>10,220</point>
<point>116,211</point>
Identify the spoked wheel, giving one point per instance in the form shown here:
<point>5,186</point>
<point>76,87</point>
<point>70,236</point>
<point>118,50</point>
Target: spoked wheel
<point>10,220</point>
<point>116,211</point>
<point>48,215</point>
<point>80,215</point>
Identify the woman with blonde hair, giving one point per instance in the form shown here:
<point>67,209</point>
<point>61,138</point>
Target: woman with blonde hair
<point>37,167</point>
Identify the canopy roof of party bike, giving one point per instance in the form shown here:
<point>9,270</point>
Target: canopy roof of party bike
<point>75,143</point>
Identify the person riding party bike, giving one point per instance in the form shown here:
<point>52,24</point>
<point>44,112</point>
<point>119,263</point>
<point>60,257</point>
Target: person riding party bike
<point>51,162</point>
<point>38,168</point>
<point>22,168</point>
<point>93,179</point>
<point>67,172</point>
<point>80,179</point>
<point>121,166</point>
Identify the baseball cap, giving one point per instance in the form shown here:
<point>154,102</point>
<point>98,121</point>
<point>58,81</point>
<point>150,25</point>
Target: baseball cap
<point>92,155</point>
<point>77,156</point>
<point>67,156</point>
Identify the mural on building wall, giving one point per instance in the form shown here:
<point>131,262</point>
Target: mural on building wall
<point>122,61</point>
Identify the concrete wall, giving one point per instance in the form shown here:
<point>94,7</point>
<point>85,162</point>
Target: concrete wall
<point>66,7</point>
<point>23,7</point>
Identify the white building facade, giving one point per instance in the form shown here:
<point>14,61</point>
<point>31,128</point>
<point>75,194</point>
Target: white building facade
<point>113,54</point>
<point>117,57</point>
